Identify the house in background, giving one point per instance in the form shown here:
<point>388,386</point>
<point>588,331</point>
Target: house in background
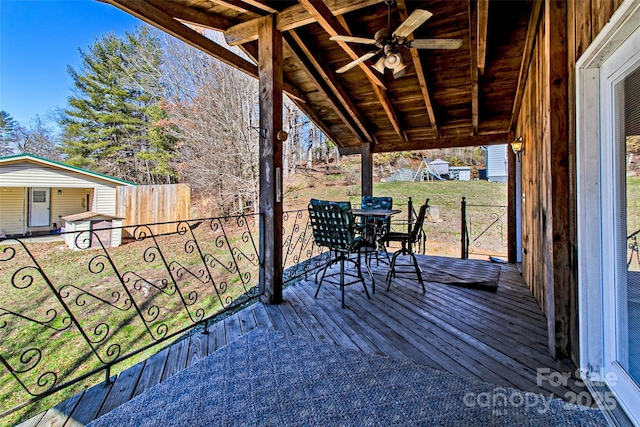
<point>497,164</point>
<point>36,193</point>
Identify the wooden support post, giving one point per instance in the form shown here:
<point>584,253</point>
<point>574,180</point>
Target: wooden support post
<point>366,172</point>
<point>557,238</point>
<point>512,245</point>
<point>270,98</point>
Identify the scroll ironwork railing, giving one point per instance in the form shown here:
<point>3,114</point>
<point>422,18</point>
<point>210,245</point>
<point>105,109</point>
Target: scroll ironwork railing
<point>67,314</point>
<point>483,229</point>
<point>632,251</point>
<point>300,254</point>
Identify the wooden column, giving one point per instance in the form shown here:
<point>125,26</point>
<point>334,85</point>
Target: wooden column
<point>559,290</point>
<point>366,172</point>
<point>512,196</point>
<point>270,97</point>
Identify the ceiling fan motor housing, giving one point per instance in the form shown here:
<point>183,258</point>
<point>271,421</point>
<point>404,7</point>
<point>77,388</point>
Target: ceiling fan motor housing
<point>383,37</point>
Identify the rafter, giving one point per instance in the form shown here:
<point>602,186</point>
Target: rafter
<point>320,84</point>
<point>323,15</point>
<point>243,7</point>
<point>332,26</point>
<point>527,52</point>
<point>325,77</point>
<point>291,18</point>
<point>417,64</point>
<point>190,15</point>
<point>167,23</point>
<point>267,6</point>
<point>483,26</point>
<point>473,52</point>
<point>443,142</point>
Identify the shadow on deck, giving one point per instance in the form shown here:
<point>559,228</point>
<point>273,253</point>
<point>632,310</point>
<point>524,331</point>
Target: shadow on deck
<point>499,337</point>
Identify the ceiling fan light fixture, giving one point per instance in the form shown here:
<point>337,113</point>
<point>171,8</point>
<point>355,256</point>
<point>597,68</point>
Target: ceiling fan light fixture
<point>393,61</point>
<point>399,71</point>
<point>379,65</point>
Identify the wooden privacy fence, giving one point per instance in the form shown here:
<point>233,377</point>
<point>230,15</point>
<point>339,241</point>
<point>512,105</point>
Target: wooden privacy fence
<point>154,204</point>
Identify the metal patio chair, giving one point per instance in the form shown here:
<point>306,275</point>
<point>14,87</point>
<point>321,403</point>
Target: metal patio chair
<point>407,240</point>
<point>334,227</point>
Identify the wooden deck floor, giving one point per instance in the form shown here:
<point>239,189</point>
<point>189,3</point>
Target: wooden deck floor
<point>495,337</point>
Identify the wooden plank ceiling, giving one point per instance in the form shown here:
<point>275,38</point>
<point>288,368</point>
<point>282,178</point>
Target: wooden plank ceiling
<point>447,98</point>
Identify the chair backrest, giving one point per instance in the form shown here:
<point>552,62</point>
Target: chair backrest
<point>416,227</point>
<point>332,224</point>
<point>383,202</point>
<point>372,202</point>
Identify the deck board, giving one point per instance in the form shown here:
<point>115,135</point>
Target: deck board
<point>122,389</point>
<point>152,371</point>
<point>495,337</point>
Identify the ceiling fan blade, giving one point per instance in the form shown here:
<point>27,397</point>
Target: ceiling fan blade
<point>358,61</point>
<point>414,20</point>
<point>353,39</point>
<point>435,44</point>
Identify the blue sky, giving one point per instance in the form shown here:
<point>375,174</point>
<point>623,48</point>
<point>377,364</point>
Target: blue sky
<point>38,39</point>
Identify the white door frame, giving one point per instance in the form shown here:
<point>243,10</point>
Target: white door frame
<point>40,213</point>
<point>596,193</point>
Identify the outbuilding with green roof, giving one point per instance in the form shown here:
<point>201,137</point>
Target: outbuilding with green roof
<point>36,193</point>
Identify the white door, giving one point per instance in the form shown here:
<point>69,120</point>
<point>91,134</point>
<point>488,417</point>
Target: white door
<point>620,219</point>
<point>39,207</point>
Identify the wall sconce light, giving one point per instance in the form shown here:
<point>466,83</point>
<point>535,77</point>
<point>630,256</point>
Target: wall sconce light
<point>518,146</point>
<point>59,191</point>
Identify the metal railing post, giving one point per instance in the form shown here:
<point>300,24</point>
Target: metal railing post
<point>464,251</point>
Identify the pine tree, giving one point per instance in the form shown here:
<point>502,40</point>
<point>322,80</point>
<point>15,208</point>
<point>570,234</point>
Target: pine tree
<point>106,126</point>
<point>8,129</point>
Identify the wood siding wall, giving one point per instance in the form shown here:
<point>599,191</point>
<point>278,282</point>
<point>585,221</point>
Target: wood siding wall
<point>148,204</point>
<point>13,210</point>
<point>546,121</point>
<point>70,201</point>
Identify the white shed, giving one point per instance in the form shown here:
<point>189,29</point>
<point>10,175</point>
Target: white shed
<point>463,173</point>
<point>36,193</point>
<point>90,229</point>
<point>496,158</point>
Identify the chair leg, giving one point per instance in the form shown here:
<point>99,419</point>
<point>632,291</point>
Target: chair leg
<point>373,280</point>
<point>392,266</point>
<point>418,272</point>
<point>324,272</point>
<point>342,279</point>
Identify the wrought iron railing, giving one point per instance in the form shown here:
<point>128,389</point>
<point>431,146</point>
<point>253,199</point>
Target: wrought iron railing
<point>67,314</point>
<point>632,252</point>
<point>300,254</point>
<point>483,229</point>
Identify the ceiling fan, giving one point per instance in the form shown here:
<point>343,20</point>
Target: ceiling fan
<point>388,43</point>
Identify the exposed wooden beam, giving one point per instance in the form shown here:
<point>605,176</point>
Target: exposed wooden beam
<point>428,144</point>
<point>329,77</point>
<point>473,52</point>
<point>243,7</point>
<point>159,19</point>
<point>191,16</point>
<point>527,52</point>
<point>483,26</point>
<point>314,76</point>
<point>265,6</point>
<point>323,15</point>
<point>290,18</point>
<point>417,64</point>
<point>332,26</point>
